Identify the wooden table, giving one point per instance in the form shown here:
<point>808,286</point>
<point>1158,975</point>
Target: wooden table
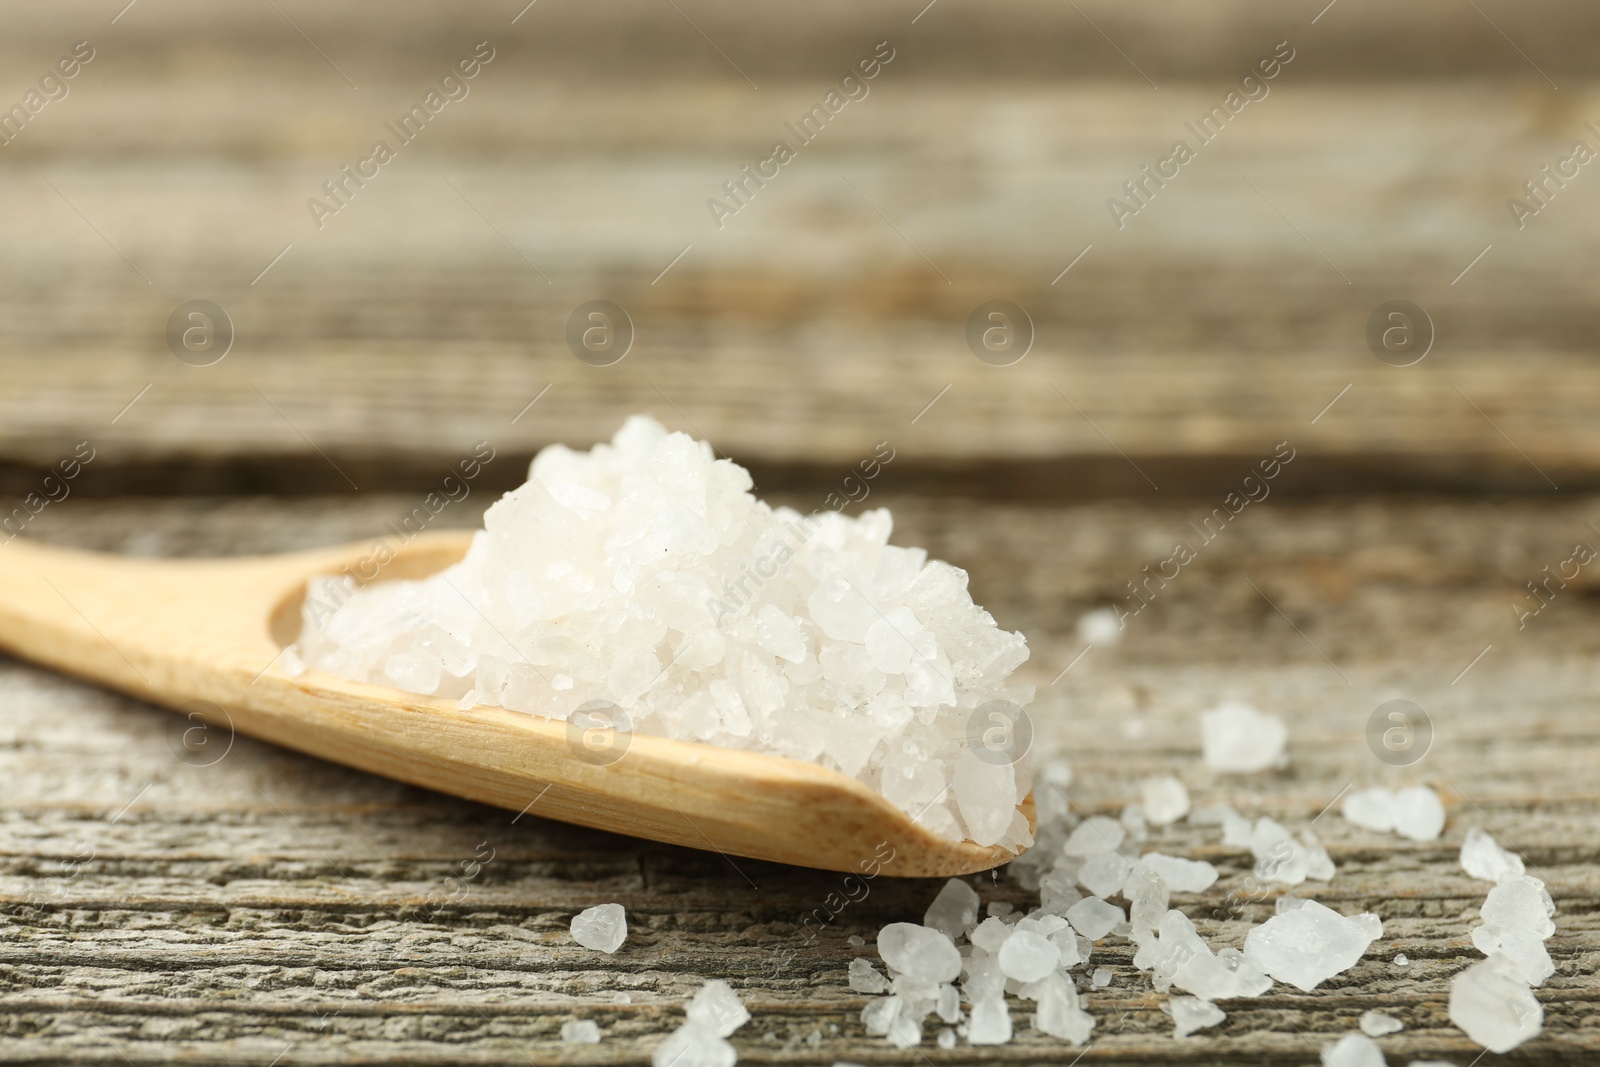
<point>271,908</point>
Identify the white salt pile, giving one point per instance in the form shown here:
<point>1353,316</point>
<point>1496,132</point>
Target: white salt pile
<point>603,927</point>
<point>714,1013</point>
<point>1236,738</point>
<point>1415,812</point>
<point>643,575</point>
<point>580,1032</point>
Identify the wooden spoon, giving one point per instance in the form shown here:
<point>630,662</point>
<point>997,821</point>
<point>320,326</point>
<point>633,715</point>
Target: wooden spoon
<point>176,632</point>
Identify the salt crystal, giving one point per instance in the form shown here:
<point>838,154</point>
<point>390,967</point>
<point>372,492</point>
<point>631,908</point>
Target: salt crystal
<point>856,941</point>
<point>1103,873</point>
<point>580,1032</point>
<point>644,574</point>
<point>953,910</point>
<point>1191,1013</point>
<point>1165,800</point>
<point>1307,946</point>
<point>1522,947</point>
<point>1482,857</point>
<point>990,934</point>
<point>1401,959</point>
<point>694,1045</point>
<point>1352,1050</point>
<point>920,952</point>
<point>1100,978</point>
<point>719,1007</point>
<point>1236,738</point>
<point>1028,957</point>
<point>1181,875</point>
<point>990,1023</point>
<point>1376,1024</point>
<point>1096,834</point>
<point>1520,902</point>
<point>1132,820</point>
<point>1059,1012</point>
<point>1280,858</point>
<point>948,1004</point>
<point>1494,1006</point>
<point>1418,813</point>
<point>1147,896</point>
<point>1177,956</point>
<point>1101,627</point>
<point>603,927</point>
<point>946,1040</point>
<point>1372,809</point>
<point>864,977</point>
<point>1094,918</point>
<point>1058,891</point>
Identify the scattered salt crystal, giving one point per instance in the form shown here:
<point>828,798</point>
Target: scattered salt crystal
<point>1147,896</point>
<point>1482,857</point>
<point>1101,978</point>
<point>1132,820</point>
<point>1058,891</point>
<point>946,1040</point>
<point>1104,873</point>
<point>1372,809</point>
<point>990,1023</point>
<point>694,1045</point>
<point>1001,908</point>
<point>1181,875</point>
<point>1353,1050</point>
<point>1520,902</point>
<point>1401,959</point>
<point>1494,1006</point>
<point>1165,800</point>
<point>1236,829</point>
<point>1094,918</point>
<point>644,574</point>
<point>1101,627</point>
<point>1177,956</point>
<point>856,941</point>
<point>1236,738</point>
<point>1059,1012</point>
<point>580,1032</point>
<point>1191,1013</point>
<point>603,927</point>
<point>1376,1024</point>
<point>1027,956</point>
<point>719,1007</point>
<point>948,1004</point>
<point>468,699</point>
<point>1418,813</point>
<point>990,934</point>
<point>1096,834</point>
<point>920,952</point>
<point>864,977</point>
<point>1307,946</point>
<point>954,910</point>
<point>1522,947</point>
<point>1280,858</point>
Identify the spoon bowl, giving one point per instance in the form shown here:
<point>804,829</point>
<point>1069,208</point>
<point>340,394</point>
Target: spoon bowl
<point>178,632</point>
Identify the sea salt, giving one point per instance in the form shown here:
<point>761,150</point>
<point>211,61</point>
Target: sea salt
<point>1236,738</point>
<point>1281,858</point>
<point>1060,1014</point>
<point>1352,1050</point>
<point>1482,857</point>
<point>1402,960</point>
<point>1096,834</point>
<point>1101,627</point>
<point>990,1023</point>
<point>580,1032</point>
<point>1516,923</point>
<point>1177,957</point>
<point>719,1007</point>
<point>1371,809</point>
<point>1376,1024</point>
<point>1181,875</point>
<point>602,928</point>
<point>864,977</point>
<point>1028,957</point>
<point>1101,978</point>
<point>1103,873</point>
<point>954,910</point>
<point>1094,918</point>
<point>1415,812</point>
<point>1494,1006</point>
<point>918,951</point>
<point>1310,944</point>
<point>1191,1013</point>
<point>694,1045</point>
<point>644,576</point>
<point>1164,799</point>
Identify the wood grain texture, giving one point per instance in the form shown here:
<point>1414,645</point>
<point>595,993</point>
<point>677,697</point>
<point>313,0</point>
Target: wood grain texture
<point>830,311</point>
<point>270,902</point>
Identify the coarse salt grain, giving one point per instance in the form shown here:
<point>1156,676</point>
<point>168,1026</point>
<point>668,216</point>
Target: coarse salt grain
<point>602,928</point>
<point>1236,738</point>
<point>580,1032</point>
<point>643,575</point>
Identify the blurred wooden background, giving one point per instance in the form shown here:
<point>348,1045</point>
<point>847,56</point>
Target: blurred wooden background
<point>276,909</point>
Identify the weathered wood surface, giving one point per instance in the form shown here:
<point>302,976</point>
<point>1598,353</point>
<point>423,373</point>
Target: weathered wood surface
<point>271,905</point>
<point>822,317</point>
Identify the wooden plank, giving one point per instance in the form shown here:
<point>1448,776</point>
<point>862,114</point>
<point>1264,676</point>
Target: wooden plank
<point>272,902</point>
